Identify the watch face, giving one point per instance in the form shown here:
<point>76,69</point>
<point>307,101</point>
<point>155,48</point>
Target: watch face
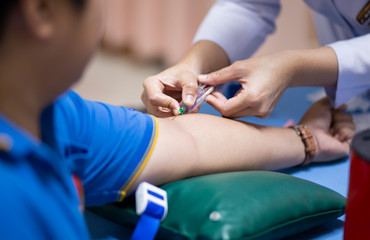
<point>364,15</point>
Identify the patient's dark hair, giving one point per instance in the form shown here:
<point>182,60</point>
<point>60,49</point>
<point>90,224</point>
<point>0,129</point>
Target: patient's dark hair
<point>7,5</point>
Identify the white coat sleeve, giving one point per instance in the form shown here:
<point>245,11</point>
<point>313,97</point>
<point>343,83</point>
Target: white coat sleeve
<point>353,69</point>
<point>239,27</point>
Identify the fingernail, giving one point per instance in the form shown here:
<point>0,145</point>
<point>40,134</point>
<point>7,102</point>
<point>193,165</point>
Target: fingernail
<point>342,107</point>
<point>344,138</point>
<point>189,99</point>
<point>340,137</point>
<point>202,77</point>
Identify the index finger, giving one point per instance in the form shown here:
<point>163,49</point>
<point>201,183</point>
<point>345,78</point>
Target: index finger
<point>154,89</point>
<point>223,75</point>
<point>227,107</point>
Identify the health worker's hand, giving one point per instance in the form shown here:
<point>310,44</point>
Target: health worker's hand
<point>263,81</point>
<point>163,92</point>
<point>332,130</point>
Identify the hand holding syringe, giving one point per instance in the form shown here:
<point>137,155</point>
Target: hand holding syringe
<point>203,92</point>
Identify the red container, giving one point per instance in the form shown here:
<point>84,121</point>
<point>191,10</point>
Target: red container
<point>357,221</point>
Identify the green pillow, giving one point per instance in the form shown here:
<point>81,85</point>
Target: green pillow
<point>238,205</point>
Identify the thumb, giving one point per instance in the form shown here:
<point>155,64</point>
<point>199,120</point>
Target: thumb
<point>189,91</point>
<point>223,75</point>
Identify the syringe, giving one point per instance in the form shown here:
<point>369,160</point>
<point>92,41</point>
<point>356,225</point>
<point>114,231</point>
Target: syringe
<point>203,92</point>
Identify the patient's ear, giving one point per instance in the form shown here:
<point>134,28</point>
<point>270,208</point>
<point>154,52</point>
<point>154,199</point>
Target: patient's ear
<point>38,17</point>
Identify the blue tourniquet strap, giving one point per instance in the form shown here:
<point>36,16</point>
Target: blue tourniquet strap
<point>146,228</point>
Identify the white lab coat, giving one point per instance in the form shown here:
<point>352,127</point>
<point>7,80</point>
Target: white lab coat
<point>241,26</point>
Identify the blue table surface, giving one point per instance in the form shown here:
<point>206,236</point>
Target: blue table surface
<point>333,175</point>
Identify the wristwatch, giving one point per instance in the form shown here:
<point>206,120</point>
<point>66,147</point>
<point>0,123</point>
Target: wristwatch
<point>308,142</point>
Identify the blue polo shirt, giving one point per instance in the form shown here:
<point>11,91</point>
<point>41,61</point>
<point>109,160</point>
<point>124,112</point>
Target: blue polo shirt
<point>104,146</point>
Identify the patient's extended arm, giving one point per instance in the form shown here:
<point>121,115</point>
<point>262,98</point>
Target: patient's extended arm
<point>198,144</point>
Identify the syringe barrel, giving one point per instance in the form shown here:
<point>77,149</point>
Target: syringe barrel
<point>203,91</point>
